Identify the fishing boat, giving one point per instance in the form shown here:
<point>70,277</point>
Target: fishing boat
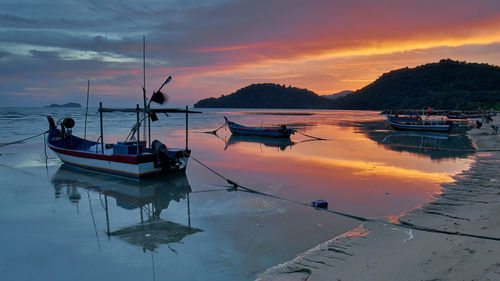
<point>275,132</point>
<point>462,115</point>
<point>423,125</point>
<point>131,158</point>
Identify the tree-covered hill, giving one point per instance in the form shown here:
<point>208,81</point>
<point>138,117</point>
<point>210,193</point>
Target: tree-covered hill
<point>445,85</point>
<point>268,95</point>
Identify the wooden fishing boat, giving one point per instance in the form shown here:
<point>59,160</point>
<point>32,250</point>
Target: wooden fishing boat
<point>463,116</point>
<point>275,132</point>
<point>128,158</point>
<point>424,125</point>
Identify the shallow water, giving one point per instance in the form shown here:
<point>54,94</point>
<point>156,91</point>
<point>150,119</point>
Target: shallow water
<point>59,222</point>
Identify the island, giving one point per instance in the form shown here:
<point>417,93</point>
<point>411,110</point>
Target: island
<point>268,95</point>
<point>447,85</point>
<point>69,104</point>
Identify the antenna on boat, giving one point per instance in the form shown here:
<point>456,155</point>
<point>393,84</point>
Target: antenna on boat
<point>146,106</point>
<point>86,113</point>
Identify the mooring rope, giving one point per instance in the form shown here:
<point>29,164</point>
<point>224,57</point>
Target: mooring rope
<point>45,148</point>
<point>309,136</point>
<point>214,132</point>
<point>235,186</point>
<point>14,142</point>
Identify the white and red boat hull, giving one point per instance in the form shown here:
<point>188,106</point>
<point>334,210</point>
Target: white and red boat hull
<point>107,163</point>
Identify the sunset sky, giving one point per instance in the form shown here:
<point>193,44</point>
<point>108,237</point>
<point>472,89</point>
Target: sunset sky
<point>49,49</point>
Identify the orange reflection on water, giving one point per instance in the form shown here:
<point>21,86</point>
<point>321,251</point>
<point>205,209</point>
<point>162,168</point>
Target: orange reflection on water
<point>364,159</point>
<point>351,171</point>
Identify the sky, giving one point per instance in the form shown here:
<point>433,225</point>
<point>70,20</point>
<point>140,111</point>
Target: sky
<point>49,49</point>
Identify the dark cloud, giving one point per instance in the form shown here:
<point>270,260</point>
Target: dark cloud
<point>15,21</point>
<point>4,54</point>
<point>45,55</point>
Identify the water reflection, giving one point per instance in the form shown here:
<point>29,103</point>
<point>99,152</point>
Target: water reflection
<point>151,197</point>
<point>420,140</point>
<point>281,143</point>
<point>434,145</point>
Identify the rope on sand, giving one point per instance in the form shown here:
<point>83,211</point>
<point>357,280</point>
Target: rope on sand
<point>19,141</point>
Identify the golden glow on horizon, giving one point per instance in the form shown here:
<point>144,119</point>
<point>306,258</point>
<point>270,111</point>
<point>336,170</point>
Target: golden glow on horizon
<point>394,46</point>
<point>319,69</point>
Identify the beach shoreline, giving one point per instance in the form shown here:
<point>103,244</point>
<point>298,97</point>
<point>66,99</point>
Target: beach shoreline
<point>379,251</point>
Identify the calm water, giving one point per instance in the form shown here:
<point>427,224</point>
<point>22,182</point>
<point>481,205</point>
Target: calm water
<point>60,223</point>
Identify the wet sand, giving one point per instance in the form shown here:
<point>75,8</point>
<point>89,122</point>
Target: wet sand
<point>380,251</point>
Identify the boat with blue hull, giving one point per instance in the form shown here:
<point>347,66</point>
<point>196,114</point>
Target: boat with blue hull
<point>421,125</point>
<point>275,132</point>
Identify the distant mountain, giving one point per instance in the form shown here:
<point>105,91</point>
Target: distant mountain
<point>338,95</point>
<point>267,95</point>
<point>445,85</point>
<point>69,104</point>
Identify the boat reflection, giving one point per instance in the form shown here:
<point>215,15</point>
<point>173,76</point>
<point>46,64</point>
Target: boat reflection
<point>150,196</point>
<point>280,143</point>
<point>427,139</point>
<point>435,145</point>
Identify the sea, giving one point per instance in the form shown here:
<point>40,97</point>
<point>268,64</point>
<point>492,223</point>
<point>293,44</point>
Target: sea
<point>63,223</point>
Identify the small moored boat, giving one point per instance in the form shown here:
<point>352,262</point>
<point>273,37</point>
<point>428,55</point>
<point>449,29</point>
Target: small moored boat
<point>463,116</point>
<point>276,132</point>
<point>423,125</point>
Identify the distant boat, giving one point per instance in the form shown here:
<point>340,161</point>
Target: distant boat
<point>461,116</point>
<point>128,158</point>
<point>397,118</point>
<point>275,132</point>
<point>421,125</point>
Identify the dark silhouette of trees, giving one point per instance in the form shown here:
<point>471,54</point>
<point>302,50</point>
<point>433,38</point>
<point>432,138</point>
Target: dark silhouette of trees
<point>448,84</point>
<point>445,85</point>
<point>268,95</point>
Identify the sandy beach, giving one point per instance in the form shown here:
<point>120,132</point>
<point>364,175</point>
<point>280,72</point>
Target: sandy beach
<point>383,251</point>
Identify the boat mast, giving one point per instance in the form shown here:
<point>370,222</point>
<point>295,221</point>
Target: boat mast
<point>144,88</point>
<point>102,138</point>
<point>138,128</point>
<point>86,113</point>
<point>186,127</point>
